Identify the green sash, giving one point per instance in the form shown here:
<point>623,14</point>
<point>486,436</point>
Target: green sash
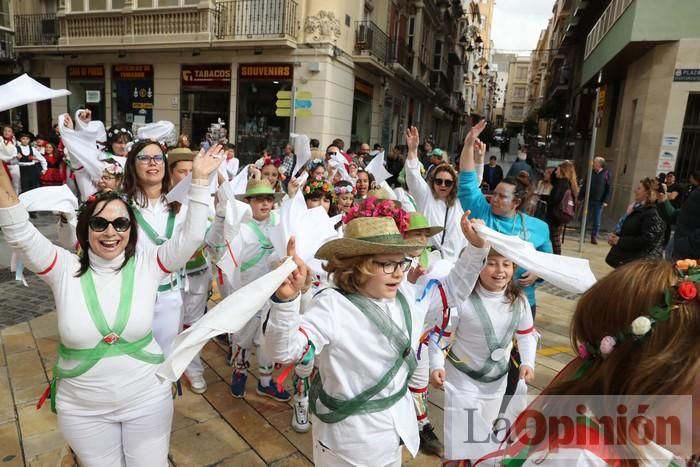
<point>494,345</point>
<point>399,341</point>
<point>151,232</point>
<point>266,247</point>
<point>112,344</point>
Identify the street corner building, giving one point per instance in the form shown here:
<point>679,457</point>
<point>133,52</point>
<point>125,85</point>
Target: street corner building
<point>252,71</point>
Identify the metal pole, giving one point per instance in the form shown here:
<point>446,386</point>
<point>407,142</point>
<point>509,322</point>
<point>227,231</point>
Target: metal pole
<point>589,171</point>
<point>292,117</point>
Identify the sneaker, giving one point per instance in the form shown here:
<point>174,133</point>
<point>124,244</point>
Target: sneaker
<point>594,240</point>
<point>197,384</point>
<point>238,381</point>
<point>300,417</point>
<point>429,442</point>
<point>272,392</point>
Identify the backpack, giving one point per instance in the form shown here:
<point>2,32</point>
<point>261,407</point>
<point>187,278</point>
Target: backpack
<point>565,211</point>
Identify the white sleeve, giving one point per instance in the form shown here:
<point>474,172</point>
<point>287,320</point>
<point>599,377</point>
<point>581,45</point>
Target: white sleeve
<point>174,253</point>
<point>281,338</point>
<point>67,237</point>
<point>526,336</point>
<point>8,152</point>
<point>461,280</point>
<point>42,160</point>
<point>417,186</point>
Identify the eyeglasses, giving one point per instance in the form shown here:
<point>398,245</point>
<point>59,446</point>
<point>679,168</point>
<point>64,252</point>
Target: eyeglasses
<point>100,224</point>
<point>331,153</point>
<point>443,182</point>
<point>390,267</point>
<point>146,159</point>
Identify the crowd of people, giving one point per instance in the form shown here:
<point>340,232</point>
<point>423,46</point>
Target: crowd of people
<point>408,292</point>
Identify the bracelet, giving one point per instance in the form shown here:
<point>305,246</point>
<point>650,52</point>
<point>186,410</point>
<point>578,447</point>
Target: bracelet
<point>200,181</point>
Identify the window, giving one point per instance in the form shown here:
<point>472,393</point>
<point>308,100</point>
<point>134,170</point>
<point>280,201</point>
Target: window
<point>94,5</point>
<point>437,56</point>
<point>519,92</point>
<point>517,111</point>
<point>521,73</point>
<point>163,3</point>
<point>411,30</point>
<point>5,13</point>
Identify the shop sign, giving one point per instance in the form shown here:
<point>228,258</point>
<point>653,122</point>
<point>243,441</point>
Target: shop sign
<point>364,88</point>
<point>686,74</point>
<point>81,72</point>
<point>132,72</point>
<point>206,75</point>
<point>601,105</point>
<point>265,71</point>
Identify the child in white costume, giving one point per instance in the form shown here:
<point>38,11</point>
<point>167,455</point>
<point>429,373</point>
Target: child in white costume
<point>365,334</point>
<point>255,255</point>
<point>483,328</point>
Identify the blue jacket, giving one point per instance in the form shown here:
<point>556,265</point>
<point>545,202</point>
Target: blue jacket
<point>526,227</point>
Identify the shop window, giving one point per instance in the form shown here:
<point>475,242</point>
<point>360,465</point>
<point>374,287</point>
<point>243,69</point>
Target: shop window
<point>87,87</point>
<point>206,93</point>
<point>132,95</point>
<point>94,5</point>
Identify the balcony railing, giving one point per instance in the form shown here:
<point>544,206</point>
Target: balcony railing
<point>605,23</point>
<point>41,29</point>
<point>370,40</point>
<point>402,55</point>
<point>256,18</point>
<point>7,51</point>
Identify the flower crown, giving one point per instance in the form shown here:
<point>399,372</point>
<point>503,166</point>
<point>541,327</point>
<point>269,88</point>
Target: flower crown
<point>341,190</point>
<point>113,167</point>
<point>99,196</point>
<point>375,207</point>
<point>267,160</point>
<point>686,290</point>
<point>318,186</point>
<point>117,131</point>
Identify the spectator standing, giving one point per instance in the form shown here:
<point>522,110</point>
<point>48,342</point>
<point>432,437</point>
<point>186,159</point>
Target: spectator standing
<point>564,190</point>
<point>521,164</point>
<point>601,190</point>
<point>394,163</point>
<point>363,155</point>
<point>316,153</point>
<point>493,173</point>
<point>686,239</point>
<point>436,158</point>
<point>504,148</point>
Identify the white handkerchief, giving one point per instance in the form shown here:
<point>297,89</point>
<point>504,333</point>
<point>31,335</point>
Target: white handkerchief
<point>229,316</point>
<point>302,150</point>
<point>25,90</point>
<point>567,273</point>
<point>50,198</point>
<point>159,131</point>
<point>338,161</point>
<point>376,168</point>
<point>82,146</point>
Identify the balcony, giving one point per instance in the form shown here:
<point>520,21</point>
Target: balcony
<point>605,23</point>
<point>7,52</point>
<point>373,48</point>
<point>36,30</point>
<point>402,56</point>
<point>255,22</point>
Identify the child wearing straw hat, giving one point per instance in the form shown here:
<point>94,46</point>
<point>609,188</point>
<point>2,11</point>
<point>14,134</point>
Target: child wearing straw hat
<point>365,333</point>
<point>255,255</point>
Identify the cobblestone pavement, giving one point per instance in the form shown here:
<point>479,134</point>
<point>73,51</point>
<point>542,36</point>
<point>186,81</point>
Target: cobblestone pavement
<point>214,428</point>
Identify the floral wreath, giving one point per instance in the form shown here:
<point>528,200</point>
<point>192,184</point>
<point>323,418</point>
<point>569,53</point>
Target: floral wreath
<point>375,207</point>
<point>113,167</point>
<point>118,131</point>
<point>162,144</point>
<point>318,186</point>
<point>341,190</point>
<point>267,160</point>
<point>686,290</point>
<point>100,195</point>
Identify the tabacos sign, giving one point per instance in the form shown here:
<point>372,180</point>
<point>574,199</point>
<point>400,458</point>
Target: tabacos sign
<point>206,75</point>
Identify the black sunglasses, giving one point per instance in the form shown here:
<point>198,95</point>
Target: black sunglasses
<point>100,224</point>
<point>443,182</point>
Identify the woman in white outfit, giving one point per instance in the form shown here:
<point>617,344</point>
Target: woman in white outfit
<point>365,333</point>
<point>112,409</point>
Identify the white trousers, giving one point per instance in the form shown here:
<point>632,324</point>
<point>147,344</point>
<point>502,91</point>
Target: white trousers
<point>133,436</point>
<point>324,457</point>
<point>14,173</point>
<point>194,303</point>
<point>167,319</point>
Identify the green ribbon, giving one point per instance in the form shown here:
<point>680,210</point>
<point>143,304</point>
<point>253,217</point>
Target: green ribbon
<point>265,245</point>
<point>151,232</point>
<point>88,358</point>
<point>363,403</point>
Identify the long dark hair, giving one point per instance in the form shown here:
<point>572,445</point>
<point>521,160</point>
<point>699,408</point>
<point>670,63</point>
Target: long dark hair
<point>132,185</point>
<point>82,230</point>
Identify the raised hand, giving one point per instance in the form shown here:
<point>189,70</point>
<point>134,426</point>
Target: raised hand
<point>412,140</point>
<point>296,281</point>
<point>474,133</point>
<point>67,121</point>
<point>479,151</point>
<point>205,163</point>
<point>470,233</point>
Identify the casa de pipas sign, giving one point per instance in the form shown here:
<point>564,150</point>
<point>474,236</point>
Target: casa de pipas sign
<point>686,74</point>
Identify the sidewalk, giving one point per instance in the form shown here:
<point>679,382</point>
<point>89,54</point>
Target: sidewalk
<point>216,429</point>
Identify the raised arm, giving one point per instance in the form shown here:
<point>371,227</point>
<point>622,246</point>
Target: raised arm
<point>417,186</point>
<point>174,253</point>
<point>470,196</point>
<point>466,159</point>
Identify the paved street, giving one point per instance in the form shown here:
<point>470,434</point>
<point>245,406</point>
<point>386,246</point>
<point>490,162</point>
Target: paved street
<point>215,429</point>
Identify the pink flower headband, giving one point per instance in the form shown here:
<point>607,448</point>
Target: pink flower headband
<point>341,190</point>
<point>267,160</point>
<point>375,207</point>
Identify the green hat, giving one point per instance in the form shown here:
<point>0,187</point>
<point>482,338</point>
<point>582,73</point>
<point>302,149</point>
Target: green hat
<point>176,155</point>
<point>367,236</point>
<point>259,188</point>
<point>418,221</point>
<point>437,152</point>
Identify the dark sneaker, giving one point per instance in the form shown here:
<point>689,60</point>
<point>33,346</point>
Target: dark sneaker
<point>272,392</point>
<point>429,442</point>
<point>594,240</point>
<point>238,381</point>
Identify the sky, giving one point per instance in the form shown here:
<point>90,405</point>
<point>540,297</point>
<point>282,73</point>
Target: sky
<point>517,24</point>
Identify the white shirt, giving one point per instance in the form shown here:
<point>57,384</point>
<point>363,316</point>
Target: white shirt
<point>352,355</point>
<point>434,209</point>
<point>8,152</point>
<point>246,246</point>
<point>119,381</point>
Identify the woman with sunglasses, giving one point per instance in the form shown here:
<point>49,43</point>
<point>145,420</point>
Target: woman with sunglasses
<point>112,409</point>
<point>436,198</point>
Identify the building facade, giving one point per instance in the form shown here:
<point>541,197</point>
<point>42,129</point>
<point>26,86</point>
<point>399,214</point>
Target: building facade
<point>516,94</point>
<point>359,71</point>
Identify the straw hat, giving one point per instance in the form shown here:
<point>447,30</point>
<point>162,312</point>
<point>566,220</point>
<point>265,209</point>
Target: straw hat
<point>417,221</point>
<point>259,188</point>
<point>382,194</point>
<point>367,236</point>
<point>176,155</point>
